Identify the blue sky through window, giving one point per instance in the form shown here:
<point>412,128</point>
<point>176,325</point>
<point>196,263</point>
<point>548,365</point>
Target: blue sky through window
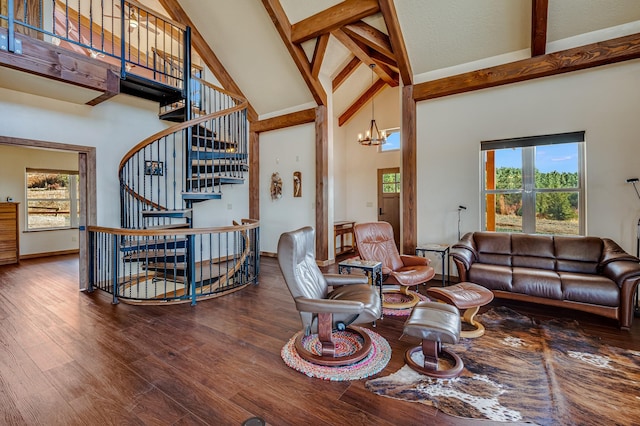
<point>393,141</point>
<point>560,157</point>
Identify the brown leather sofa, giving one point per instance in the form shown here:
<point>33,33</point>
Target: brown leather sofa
<point>589,274</point>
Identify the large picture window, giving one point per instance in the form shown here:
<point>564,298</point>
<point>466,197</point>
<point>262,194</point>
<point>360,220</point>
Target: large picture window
<point>534,184</point>
<point>52,199</point>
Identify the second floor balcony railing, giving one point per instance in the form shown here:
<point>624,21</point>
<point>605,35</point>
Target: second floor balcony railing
<point>127,34</point>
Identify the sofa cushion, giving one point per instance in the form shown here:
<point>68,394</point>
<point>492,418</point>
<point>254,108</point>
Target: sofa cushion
<point>586,288</point>
<point>493,277</point>
<point>578,254</point>
<point>533,251</point>
<point>493,248</point>
<point>537,282</point>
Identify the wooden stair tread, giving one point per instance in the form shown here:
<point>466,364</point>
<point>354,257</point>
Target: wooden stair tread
<point>186,213</point>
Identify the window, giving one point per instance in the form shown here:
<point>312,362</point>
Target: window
<point>52,199</point>
<point>534,184</point>
<point>391,183</point>
<point>393,140</point>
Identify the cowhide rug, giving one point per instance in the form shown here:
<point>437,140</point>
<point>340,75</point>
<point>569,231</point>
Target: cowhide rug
<point>548,373</point>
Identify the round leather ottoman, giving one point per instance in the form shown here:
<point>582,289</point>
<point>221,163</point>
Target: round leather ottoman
<point>465,296</point>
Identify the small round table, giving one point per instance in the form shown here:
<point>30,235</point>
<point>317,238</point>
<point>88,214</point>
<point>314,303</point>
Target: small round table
<point>465,296</point>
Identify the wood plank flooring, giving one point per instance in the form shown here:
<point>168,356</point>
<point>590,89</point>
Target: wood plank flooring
<point>72,358</point>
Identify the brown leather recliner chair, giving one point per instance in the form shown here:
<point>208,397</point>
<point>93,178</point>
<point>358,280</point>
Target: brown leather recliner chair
<point>375,241</point>
<point>351,301</point>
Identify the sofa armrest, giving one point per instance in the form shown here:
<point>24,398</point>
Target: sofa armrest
<point>612,252</point>
<point>621,270</point>
<point>346,279</point>
<point>411,260</point>
<point>464,252</point>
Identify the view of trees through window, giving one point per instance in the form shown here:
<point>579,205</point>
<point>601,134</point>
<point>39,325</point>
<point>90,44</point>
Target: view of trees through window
<point>391,183</point>
<point>533,189</point>
<point>52,200</point>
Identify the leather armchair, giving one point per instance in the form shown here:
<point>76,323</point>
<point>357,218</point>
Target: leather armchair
<point>375,241</point>
<point>322,309</point>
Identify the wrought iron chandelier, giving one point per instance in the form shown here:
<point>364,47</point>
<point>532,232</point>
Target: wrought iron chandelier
<point>373,136</point>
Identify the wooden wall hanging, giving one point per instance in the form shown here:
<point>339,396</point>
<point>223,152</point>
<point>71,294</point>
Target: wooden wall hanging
<point>276,186</point>
<point>297,184</point>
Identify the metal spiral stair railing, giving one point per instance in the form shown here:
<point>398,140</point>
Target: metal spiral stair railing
<point>160,179</point>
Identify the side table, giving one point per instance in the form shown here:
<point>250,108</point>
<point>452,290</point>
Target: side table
<point>372,268</point>
<point>443,249</point>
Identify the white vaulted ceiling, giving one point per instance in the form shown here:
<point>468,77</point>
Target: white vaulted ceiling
<point>438,34</point>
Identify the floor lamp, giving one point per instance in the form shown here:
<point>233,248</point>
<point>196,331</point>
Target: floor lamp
<point>460,208</point>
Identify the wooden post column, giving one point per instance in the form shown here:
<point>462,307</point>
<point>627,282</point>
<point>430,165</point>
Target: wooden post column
<point>408,172</point>
<point>322,184</point>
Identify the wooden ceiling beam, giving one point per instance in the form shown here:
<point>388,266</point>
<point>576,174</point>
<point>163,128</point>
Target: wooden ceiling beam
<point>361,51</point>
<point>384,60</point>
<point>318,54</point>
<point>579,58</point>
<point>345,72</point>
<point>198,42</point>
<point>368,95</point>
<point>281,22</point>
<point>347,12</point>
<point>390,16</point>
<point>539,19</point>
<point>370,36</point>
<point>284,121</point>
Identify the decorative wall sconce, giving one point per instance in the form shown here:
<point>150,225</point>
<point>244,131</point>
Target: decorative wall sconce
<point>297,184</point>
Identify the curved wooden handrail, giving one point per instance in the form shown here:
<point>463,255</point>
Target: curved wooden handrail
<point>174,129</point>
<point>247,224</point>
<point>235,96</point>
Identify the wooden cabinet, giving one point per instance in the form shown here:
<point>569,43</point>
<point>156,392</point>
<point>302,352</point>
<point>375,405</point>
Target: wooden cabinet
<point>9,234</point>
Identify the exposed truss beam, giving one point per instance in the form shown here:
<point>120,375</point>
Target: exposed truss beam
<point>579,58</point>
<point>284,121</point>
<point>370,36</point>
<point>318,54</point>
<point>206,53</point>
<point>361,51</point>
<point>345,72</point>
<point>281,22</point>
<point>368,95</point>
<point>539,12</point>
<point>390,16</point>
<point>347,12</point>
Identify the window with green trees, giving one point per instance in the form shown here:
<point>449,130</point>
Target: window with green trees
<point>534,184</point>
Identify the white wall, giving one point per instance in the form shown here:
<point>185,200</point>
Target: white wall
<point>603,101</point>
<point>359,165</point>
<point>286,151</point>
<point>13,163</point>
<point>113,127</point>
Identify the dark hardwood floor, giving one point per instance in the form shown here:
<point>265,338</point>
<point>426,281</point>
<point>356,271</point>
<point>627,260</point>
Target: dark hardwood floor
<point>72,358</point>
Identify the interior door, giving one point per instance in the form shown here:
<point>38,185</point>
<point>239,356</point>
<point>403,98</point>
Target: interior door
<point>389,199</point>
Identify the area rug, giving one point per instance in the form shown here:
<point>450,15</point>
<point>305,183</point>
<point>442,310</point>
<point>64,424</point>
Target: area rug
<point>372,364</point>
<point>547,373</point>
<point>399,298</point>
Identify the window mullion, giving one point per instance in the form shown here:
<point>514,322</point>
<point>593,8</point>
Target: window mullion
<point>529,190</point>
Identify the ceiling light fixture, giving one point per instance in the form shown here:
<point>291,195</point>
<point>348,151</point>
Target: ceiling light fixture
<point>133,22</point>
<point>373,135</point>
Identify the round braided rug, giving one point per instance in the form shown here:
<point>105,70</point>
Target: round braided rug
<point>346,343</point>
<point>400,298</point>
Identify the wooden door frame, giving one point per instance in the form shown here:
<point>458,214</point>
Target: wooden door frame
<point>88,202</point>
